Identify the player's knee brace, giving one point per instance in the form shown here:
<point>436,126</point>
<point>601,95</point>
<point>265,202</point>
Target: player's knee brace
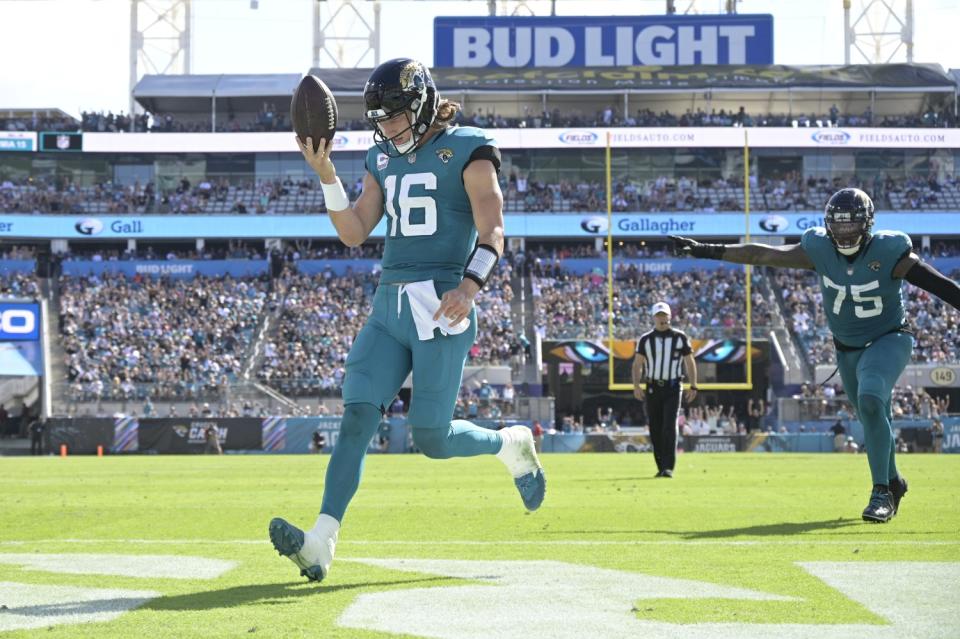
<point>432,442</point>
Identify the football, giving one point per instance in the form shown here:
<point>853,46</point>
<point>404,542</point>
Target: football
<point>313,111</point>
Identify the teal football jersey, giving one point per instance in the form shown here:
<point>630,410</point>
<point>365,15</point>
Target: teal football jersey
<point>430,229</point>
<point>861,299</point>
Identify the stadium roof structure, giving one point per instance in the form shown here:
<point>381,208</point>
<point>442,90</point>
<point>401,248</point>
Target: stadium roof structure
<point>955,74</point>
<point>194,93</point>
<point>886,88</point>
<point>23,113</point>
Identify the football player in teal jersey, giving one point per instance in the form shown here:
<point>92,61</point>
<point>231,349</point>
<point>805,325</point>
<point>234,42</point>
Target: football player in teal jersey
<point>861,273</point>
<point>438,185</point>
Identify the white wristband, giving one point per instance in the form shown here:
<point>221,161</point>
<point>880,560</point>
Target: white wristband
<point>335,197</point>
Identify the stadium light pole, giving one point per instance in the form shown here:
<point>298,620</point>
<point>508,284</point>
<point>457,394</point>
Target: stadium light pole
<point>160,34</point>
<point>348,35</point>
<point>873,25</point>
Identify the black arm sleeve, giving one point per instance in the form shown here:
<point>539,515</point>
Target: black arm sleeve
<point>686,349</point>
<point>930,279</point>
<point>485,152</point>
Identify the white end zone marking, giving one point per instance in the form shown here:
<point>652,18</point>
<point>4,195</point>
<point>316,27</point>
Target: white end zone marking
<point>146,566</point>
<point>34,606</point>
<point>555,600</point>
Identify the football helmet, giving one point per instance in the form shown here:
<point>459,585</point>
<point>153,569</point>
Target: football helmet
<point>400,87</point>
<point>848,217</point>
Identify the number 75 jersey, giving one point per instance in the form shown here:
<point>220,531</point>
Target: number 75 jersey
<point>430,229</point>
<point>861,299</point>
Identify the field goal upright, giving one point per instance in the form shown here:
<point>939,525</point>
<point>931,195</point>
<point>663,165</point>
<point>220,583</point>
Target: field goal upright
<point>613,384</point>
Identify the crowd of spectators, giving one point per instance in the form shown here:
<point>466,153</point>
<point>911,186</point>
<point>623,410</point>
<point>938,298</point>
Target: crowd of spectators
<point>523,192</point>
<point>705,303</point>
<point>322,314</point>
<point>233,250</point>
<point>612,115</point>
<point>18,285</point>
<point>829,401</point>
<point>319,318</point>
<point>270,118</point>
<point>127,338</point>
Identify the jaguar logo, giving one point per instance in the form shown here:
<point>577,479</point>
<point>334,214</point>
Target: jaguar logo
<point>411,76</point>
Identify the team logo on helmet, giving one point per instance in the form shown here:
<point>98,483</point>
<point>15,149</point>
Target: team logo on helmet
<point>444,154</point>
<point>411,76</point>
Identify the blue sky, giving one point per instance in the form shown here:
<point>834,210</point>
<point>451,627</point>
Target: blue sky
<point>80,60</point>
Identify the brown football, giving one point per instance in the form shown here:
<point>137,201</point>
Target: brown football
<point>313,111</point>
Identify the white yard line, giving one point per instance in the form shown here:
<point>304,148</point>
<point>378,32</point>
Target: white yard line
<point>553,542</point>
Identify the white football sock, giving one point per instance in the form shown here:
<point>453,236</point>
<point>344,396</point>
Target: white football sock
<point>517,452</point>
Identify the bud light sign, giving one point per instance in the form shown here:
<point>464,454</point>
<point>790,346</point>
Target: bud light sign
<point>612,41</point>
<point>19,321</point>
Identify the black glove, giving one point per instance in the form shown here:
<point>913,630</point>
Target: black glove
<point>683,246</point>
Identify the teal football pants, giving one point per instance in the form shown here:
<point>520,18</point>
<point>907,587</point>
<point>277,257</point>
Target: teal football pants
<point>385,351</point>
<point>869,375</point>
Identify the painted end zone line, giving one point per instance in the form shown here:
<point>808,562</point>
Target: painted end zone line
<point>554,542</point>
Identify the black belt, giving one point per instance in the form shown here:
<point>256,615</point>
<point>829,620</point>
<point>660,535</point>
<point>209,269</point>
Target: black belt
<point>845,348</point>
<point>662,383</point>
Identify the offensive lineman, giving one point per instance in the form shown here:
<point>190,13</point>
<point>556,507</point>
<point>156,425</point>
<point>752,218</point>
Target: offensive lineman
<point>861,273</point>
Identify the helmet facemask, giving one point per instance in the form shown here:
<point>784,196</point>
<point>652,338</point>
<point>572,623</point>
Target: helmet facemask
<point>849,218</point>
<point>847,235</point>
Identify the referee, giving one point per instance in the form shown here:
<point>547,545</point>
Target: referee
<point>657,363</point>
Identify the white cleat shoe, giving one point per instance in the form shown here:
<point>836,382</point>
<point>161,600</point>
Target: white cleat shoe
<point>312,551</point>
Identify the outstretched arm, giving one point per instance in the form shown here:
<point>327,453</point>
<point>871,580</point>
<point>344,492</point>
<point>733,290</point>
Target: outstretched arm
<point>787,256</point>
<point>921,274</point>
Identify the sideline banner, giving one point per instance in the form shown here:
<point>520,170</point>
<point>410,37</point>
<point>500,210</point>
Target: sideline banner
<point>558,138</point>
<point>553,225</point>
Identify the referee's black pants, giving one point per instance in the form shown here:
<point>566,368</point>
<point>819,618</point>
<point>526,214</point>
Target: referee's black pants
<point>663,406</point>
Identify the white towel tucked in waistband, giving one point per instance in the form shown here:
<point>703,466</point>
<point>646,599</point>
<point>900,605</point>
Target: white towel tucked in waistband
<point>423,305</point>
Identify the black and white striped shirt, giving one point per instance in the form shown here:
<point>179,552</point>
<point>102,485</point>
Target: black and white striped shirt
<point>664,351</point>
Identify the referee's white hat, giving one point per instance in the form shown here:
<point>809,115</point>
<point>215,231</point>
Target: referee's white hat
<point>661,307</point>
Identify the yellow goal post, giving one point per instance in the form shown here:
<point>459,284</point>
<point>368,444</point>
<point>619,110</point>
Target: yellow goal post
<point>622,386</point>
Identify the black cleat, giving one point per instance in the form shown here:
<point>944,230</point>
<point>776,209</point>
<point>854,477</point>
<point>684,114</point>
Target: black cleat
<point>667,473</point>
<point>898,487</point>
<point>880,509</point>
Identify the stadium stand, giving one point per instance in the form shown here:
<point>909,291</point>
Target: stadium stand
<point>321,314</point>
<point>705,303</point>
<point>270,118</point>
<point>127,338</point>
<point>19,285</point>
<point>523,193</point>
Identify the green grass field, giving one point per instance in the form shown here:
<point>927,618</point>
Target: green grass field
<point>737,545</point>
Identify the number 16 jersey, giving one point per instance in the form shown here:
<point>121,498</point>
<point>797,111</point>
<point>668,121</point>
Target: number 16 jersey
<point>430,230</point>
<point>861,298</point>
